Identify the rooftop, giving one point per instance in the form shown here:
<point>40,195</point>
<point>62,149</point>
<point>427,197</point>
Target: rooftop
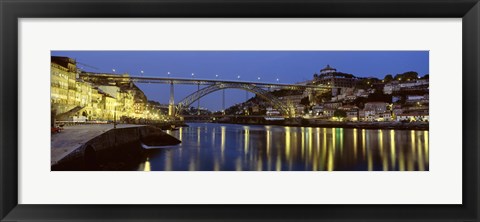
<point>328,68</point>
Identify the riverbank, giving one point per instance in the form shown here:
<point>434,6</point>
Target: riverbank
<point>169,125</point>
<point>103,147</point>
<point>300,122</point>
<point>371,125</point>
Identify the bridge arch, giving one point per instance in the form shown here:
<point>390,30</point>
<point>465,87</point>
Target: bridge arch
<point>187,101</point>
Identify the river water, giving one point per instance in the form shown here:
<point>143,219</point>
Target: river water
<point>229,147</point>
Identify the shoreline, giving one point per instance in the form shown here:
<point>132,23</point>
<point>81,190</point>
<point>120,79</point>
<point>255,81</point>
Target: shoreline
<point>102,147</point>
<point>328,124</point>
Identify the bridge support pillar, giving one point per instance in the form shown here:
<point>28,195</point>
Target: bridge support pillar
<point>171,104</point>
<point>198,101</point>
<point>223,101</point>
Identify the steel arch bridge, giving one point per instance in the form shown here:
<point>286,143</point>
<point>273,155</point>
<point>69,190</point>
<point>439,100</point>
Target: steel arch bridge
<point>187,101</point>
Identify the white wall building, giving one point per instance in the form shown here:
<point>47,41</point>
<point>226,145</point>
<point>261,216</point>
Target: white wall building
<point>413,117</point>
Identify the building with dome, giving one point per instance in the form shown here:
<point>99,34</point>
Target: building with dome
<point>338,81</point>
<point>328,69</point>
<point>331,77</point>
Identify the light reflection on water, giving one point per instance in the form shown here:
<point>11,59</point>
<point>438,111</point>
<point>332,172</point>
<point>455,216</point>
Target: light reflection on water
<point>229,147</point>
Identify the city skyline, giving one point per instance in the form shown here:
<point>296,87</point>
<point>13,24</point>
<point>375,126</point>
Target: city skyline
<point>330,120</point>
<point>264,66</point>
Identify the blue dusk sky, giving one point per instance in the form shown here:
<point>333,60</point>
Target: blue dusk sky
<point>287,66</point>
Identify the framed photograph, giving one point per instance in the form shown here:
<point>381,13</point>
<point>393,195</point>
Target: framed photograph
<point>257,110</point>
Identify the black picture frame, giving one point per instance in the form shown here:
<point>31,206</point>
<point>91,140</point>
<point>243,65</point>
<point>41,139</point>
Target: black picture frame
<point>11,11</point>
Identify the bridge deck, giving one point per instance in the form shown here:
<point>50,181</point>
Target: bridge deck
<point>194,81</point>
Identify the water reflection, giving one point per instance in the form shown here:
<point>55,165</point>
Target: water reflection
<point>392,148</point>
<point>146,166</point>
<point>228,147</point>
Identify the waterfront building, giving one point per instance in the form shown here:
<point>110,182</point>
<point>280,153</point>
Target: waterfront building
<point>126,102</point>
<point>75,98</point>
<point>396,109</point>
<point>396,99</point>
<point>317,109</point>
<point>96,106</point>
<point>139,103</point>
<point>255,109</point>
<point>352,115</point>
<point>385,116</point>
<point>62,84</point>
<point>348,107</point>
<point>415,83</point>
<point>416,109</point>
<point>338,97</point>
<point>396,86</point>
<point>132,101</point>
<point>361,115</point>
<point>350,97</point>
<point>331,77</point>
<point>413,117</point>
<point>328,112</point>
<point>71,98</point>
<point>389,88</point>
<point>272,112</point>
<point>299,110</point>
<point>370,118</point>
<point>83,94</point>
<point>332,105</point>
<point>108,105</point>
<point>414,98</point>
<point>369,115</point>
<point>291,99</point>
<point>110,90</point>
<point>361,93</point>
<point>83,99</point>
<point>378,107</point>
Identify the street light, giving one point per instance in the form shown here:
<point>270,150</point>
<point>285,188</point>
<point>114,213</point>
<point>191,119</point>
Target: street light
<point>238,77</point>
<point>115,115</point>
<point>258,78</point>
<point>278,80</point>
<point>168,73</point>
<point>216,76</point>
<point>113,70</point>
<point>193,74</point>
